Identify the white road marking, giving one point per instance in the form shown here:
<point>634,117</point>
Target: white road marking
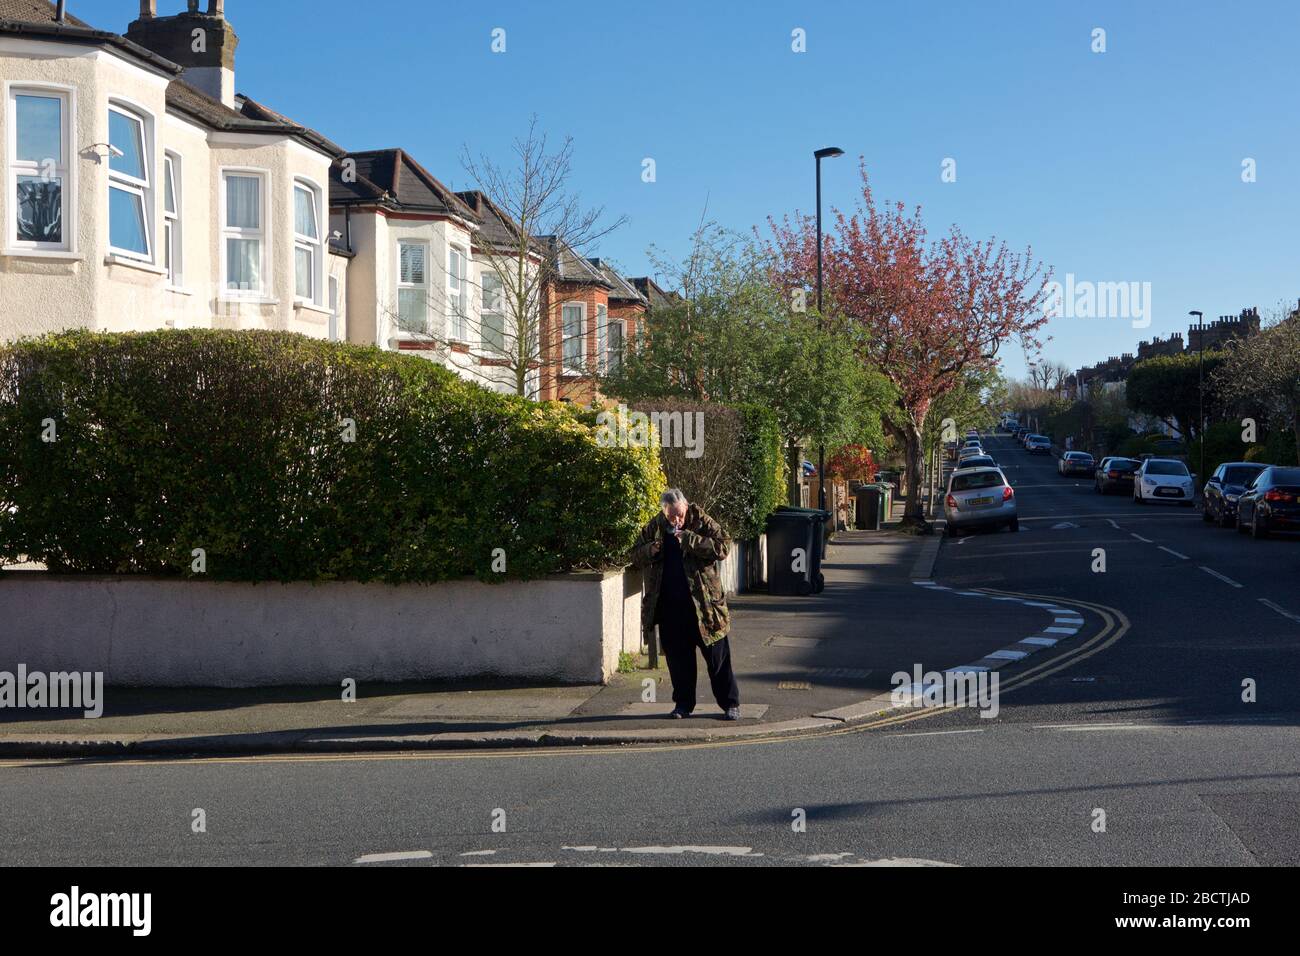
<point>1181,557</point>
<point>1005,655</point>
<point>1039,641</point>
<point>1222,577</point>
<point>392,857</point>
<point>1113,524</point>
<point>1280,610</point>
<point>1060,630</point>
<point>479,853</point>
<point>1140,538</point>
<point>706,850</point>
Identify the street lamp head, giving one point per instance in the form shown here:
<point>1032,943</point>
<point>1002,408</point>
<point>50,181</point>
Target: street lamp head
<point>1195,313</point>
<point>828,152</point>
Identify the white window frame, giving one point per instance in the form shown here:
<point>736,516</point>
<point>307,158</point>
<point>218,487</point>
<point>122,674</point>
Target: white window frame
<point>457,302</point>
<point>602,335</point>
<point>66,170</point>
<point>421,286</point>
<point>173,230</point>
<point>262,234</point>
<point>141,188</point>
<point>609,346</point>
<point>314,246</point>
<point>565,338</point>
<point>484,311</point>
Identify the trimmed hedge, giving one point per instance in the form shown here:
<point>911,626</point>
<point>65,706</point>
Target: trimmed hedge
<point>740,477</point>
<point>234,442</point>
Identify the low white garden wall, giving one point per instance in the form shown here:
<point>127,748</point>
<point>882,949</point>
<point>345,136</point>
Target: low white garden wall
<point>182,633</point>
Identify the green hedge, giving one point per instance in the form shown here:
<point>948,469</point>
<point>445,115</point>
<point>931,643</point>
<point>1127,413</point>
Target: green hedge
<point>739,478</point>
<point>234,442</point>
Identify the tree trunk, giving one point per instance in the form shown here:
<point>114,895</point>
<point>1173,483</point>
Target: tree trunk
<point>795,473</point>
<point>915,449</point>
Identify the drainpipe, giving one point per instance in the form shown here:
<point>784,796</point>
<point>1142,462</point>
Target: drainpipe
<point>62,14</point>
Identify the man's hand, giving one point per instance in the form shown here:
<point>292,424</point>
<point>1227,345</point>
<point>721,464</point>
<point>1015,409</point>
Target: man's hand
<point>655,548</point>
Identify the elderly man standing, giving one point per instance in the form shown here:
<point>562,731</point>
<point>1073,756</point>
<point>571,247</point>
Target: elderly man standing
<point>680,549</point>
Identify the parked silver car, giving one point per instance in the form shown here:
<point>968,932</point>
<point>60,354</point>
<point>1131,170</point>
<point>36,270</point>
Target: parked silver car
<point>979,497</point>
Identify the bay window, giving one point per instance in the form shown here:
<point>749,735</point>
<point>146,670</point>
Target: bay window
<point>456,298</point>
<point>172,218</point>
<point>129,185</point>
<point>602,335</point>
<point>575,336</point>
<point>306,241</point>
<point>39,149</point>
<point>243,252</point>
<point>614,355</point>
<point>493,321</point>
<point>413,287</point>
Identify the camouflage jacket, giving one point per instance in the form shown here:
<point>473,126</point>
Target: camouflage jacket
<point>704,544</point>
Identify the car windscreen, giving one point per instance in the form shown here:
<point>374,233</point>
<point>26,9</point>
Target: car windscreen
<point>1241,475</point>
<point>980,479</point>
<point>1166,468</point>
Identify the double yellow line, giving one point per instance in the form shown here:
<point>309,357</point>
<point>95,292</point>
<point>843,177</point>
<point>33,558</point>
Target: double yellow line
<point>1114,626</point>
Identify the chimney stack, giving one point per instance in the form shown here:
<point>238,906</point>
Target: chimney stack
<point>203,43</point>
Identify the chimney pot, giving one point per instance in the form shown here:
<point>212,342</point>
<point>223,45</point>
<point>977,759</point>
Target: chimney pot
<point>216,8</point>
<point>148,9</point>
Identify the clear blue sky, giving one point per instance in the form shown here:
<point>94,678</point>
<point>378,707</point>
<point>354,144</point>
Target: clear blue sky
<point>1120,166</point>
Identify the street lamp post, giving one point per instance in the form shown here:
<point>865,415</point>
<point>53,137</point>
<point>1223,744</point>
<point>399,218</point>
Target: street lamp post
<point>819,155</point>
<point>1200,386</point>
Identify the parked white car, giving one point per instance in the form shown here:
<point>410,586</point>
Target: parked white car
<point>1163,479</point>
<point>979,497</point>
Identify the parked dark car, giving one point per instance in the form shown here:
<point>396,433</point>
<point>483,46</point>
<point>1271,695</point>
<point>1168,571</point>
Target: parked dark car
<point>1271,503</point>
<point>1075,463</point>
<point>979,461</point>
<point>1114,474</point>
<point>1224,488</point>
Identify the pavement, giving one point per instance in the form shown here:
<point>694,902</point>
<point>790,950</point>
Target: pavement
<point>805,665</point>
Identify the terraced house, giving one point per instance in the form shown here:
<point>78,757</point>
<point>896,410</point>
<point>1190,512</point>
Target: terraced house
<point>142,192</point>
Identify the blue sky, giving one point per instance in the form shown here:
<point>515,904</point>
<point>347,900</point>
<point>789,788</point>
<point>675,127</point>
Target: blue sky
<point>1123,166</point>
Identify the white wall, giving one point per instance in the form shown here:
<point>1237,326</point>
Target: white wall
<point>182,633</point>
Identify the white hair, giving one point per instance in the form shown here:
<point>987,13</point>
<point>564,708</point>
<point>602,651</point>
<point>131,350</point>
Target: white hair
<point>672,496</point>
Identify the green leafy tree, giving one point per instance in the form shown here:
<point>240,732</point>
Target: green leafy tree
<point>1168,388</point>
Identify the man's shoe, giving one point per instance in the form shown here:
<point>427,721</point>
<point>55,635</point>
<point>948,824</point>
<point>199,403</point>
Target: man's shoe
<point>679,712</point>
<point>733,713</point>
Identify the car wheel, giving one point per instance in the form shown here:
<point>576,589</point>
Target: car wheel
<point>1225,519</point>
<point>1013,525</point>
<point>1205,513</point>
<point>1241,525</point>
<point>1257,531</point>
<point>1137,497</point>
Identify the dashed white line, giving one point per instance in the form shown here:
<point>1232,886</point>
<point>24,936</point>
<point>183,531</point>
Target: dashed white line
<point>1140,538</point>
<point>1181,557</point>
<point>1280,610</point>
<point>1112,523</point>
<point>1222,577</point>
<point>393,857</point>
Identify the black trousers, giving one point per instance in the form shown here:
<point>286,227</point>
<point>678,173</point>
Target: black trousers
<point>679,634</point>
